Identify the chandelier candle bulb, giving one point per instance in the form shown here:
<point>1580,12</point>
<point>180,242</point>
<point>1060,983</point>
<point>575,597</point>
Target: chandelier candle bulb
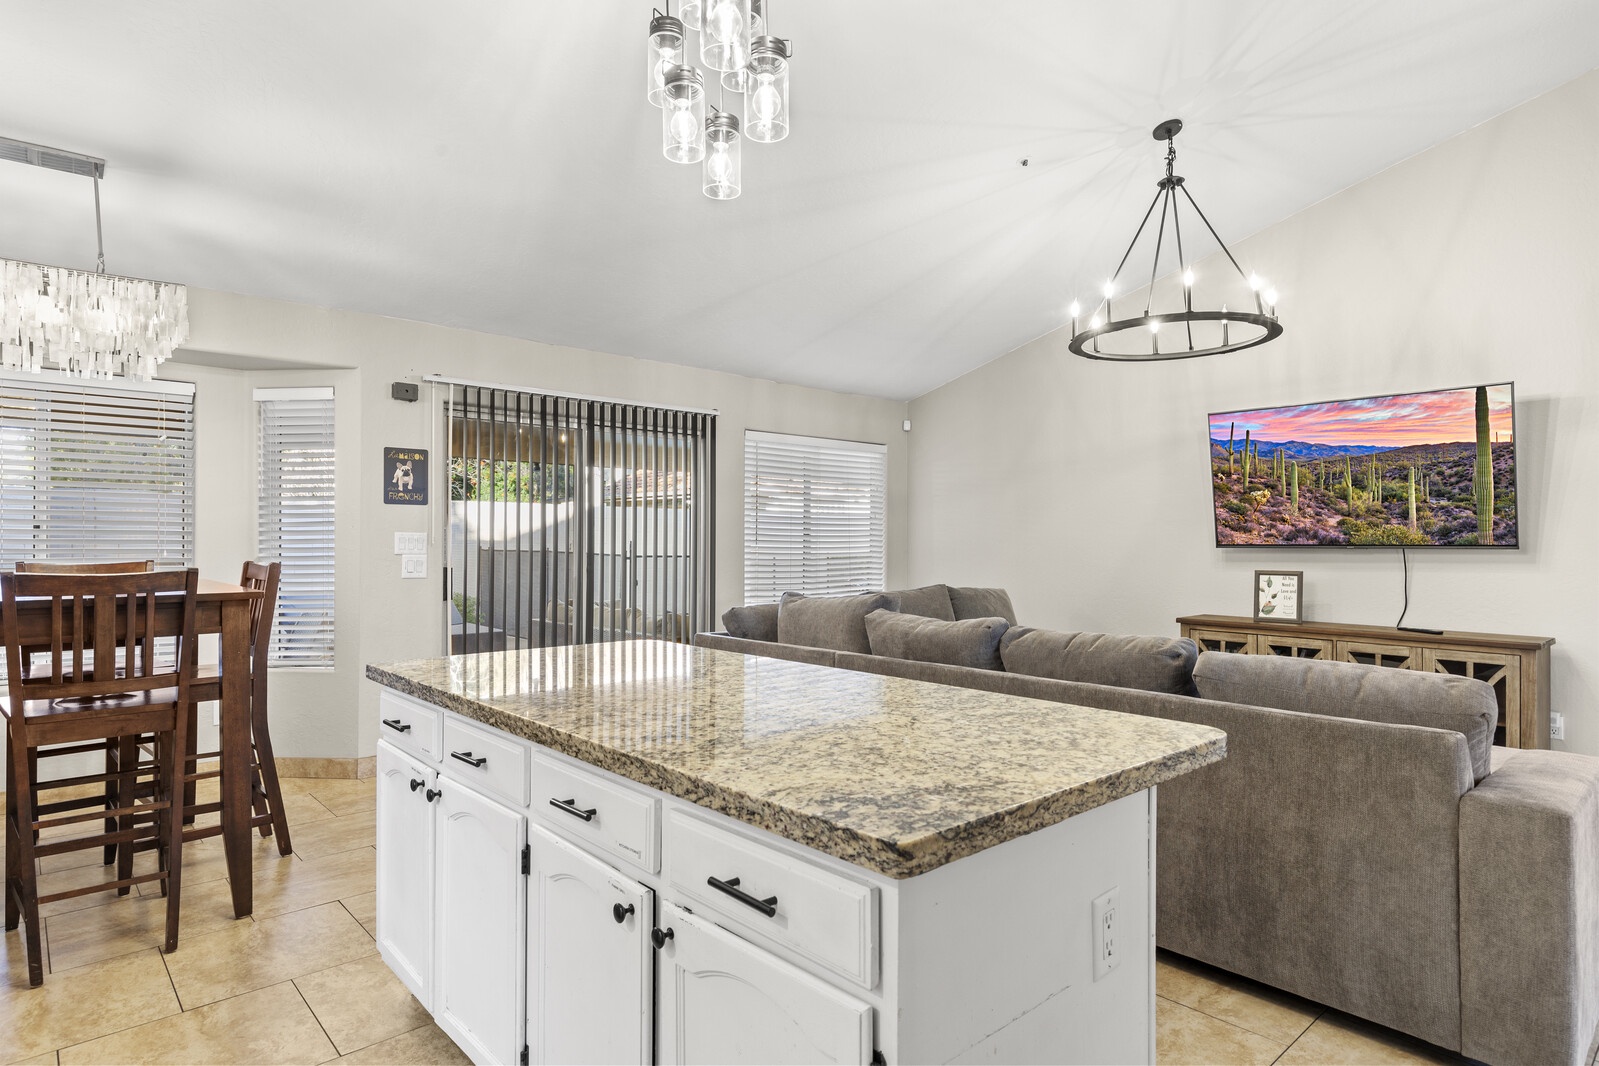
<point>665,52</point>
<point>742,79</point>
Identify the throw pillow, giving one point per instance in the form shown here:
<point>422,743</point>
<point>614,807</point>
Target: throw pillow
<point>1155,664</point>
<point>753,622</point>
<point>1353,690</point>
<point>972,642</point>
<point>929,601</point>
<point>981,603</point>
<point>836,622</point>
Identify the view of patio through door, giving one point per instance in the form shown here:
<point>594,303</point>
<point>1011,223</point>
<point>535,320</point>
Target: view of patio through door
<point>573,521</point>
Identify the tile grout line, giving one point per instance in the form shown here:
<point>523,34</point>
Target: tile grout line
<point>1300,1037</point>
<point>295,981</point>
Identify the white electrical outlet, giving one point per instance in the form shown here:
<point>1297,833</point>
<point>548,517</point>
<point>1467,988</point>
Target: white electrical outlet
<point>1108,939</point>
<point>1557,726</point>
<point>410,543</point>
<point>413,566</point>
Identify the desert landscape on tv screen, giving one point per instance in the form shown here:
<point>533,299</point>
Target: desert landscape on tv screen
<point>1420,469</point>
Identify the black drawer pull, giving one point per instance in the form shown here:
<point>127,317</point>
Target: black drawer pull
<point>397,725</point>
<point>432,794</point>
<point>620,912</point>
<point>466,757</point>
<point>417,783</point>
<point>767,906</point>
<point>570,807</point>
<point>659,937</point>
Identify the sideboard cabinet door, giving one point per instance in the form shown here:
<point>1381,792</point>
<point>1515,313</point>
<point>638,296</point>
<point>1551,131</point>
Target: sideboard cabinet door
<point>724,1000</point>
<point>405,869</point>
<point>479,999</point>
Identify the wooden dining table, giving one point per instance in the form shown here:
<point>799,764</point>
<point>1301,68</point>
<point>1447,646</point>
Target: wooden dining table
<point>222,608</point>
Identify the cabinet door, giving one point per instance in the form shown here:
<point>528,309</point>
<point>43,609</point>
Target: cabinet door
<point>590,973</point>
<point>1229,640</point>
<point>1374,653</point>
<point>478,995</point>
<point>723,1000</point>
<point>405,869</point>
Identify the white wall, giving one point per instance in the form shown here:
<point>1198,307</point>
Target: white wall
<point>380,617</point>
<point>1083,487</point>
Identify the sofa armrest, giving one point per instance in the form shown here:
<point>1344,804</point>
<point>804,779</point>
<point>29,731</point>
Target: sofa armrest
<point>1529,911</point>
<point>770,649</point>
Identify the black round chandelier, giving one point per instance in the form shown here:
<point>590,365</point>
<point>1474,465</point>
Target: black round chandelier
<point>1183,332</point>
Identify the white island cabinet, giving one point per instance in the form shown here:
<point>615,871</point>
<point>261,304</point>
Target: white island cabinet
<point>646,852</point>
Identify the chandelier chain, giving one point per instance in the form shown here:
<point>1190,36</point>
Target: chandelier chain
<point>99,237</point>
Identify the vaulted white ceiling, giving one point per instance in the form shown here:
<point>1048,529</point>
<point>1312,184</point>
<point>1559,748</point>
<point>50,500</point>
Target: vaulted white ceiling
<point>494,165</point>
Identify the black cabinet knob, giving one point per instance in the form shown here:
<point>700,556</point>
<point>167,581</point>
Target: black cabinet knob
<point>659,937</point>
<point>417,783</point>
<point>620,912</point>
<point>432,794</point>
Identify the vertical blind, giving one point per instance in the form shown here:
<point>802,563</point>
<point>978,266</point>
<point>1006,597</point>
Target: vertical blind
<point>96,471</point>
<point>295,482</point>
<point>814,516</point>
<point>577,520</point>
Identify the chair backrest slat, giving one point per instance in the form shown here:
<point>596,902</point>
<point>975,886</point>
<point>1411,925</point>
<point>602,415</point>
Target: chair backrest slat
<point>45,566</point>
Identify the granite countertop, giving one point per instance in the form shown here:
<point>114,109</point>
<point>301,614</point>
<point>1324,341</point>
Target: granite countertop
<point>892,775</point>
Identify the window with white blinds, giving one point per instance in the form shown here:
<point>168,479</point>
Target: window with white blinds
<point>96,471</point>
<point>295,481</point>
<point>814,516</point>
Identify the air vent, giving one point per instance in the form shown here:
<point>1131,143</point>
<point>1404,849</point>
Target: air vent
<point>51,158</point>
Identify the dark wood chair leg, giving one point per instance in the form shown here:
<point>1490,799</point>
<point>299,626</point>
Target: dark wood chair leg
<point>13,852</point>
<point>127,790</point>
<point>269,776</point>
<point>173,779</point>
<point>27,883</point>
<point>191,764</point>
<point>112,755</point>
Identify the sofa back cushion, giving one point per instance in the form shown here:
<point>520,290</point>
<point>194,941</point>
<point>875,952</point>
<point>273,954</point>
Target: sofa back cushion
<point>972,642</point>
<point>981,603</point>
<point>1352,690</point>
<point>929,601</point>
<point>753,622</point>
<point>1155,664</point>
<point>836,622</point>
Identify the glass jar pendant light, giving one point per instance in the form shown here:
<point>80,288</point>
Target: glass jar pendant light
<point>725,34</point>
<point>723,169</point>
<point>768,90</point>
<point>683,116</point>
<point>665,52</point>
<point>740,80</point>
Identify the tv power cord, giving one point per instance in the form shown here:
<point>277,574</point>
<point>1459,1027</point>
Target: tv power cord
<point>1399,625</point>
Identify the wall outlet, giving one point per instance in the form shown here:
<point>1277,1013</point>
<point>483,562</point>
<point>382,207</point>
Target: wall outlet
<point>413,566</point>
<point>1557,726</point>
<point>410,543</point>
<point>1108,939</point>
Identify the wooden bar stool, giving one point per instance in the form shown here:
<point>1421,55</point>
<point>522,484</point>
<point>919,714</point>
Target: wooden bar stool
<point>93,693</point>
<point>266,795</point>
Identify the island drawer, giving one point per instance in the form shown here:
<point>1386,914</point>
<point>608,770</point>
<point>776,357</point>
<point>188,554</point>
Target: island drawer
<point>409,724</point>
<point>489,759</point>
<point>587,809</point>
<point>824,916</point>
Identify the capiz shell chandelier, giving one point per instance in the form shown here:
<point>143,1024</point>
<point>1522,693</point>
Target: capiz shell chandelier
<point>1183,331</point>
<point>87,323</point>
<point>744,59</point>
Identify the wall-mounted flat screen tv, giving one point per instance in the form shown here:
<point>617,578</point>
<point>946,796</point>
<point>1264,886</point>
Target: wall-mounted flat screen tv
<point>1419,469</point>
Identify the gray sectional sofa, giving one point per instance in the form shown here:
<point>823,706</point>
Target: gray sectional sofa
<point>1362,845</point>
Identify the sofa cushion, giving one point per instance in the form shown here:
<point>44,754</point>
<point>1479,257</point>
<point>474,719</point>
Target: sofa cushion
<point>754,622</point>
<point>981,603</point>
<point>836,622</point>
<point>1155,664</point>
<point>972,642</point>
<point>1352,690</point>
<point>929,601</point>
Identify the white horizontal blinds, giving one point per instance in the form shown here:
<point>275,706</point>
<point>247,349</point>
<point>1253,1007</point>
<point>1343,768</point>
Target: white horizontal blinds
<point>577,520</point>
<point>814,516</point>
<point>96,471</point>
<point>296,514</point>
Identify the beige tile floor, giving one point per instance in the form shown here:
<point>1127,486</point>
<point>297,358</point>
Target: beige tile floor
<point>300,981</point>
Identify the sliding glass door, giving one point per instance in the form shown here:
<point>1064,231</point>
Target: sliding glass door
<point>573,521</point>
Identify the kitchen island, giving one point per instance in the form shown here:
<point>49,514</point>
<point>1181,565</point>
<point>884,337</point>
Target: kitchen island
<point>645,851</point>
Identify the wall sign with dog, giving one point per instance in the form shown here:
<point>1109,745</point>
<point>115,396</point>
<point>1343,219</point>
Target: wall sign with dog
<point>405,475</point>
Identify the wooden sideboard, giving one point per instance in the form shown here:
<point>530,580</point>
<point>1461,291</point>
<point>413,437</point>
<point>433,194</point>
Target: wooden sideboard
<point>1517,668</point>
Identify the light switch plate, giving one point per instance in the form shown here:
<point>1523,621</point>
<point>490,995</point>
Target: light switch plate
<point>413,566</point>
<point>410,543</point>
